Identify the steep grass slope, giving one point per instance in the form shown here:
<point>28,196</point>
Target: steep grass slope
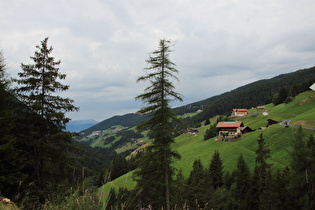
<point>276,136</point>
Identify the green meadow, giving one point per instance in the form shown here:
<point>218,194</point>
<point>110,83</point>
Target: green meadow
<point>276,136</point>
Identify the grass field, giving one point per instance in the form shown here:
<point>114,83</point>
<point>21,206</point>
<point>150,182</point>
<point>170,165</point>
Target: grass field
<point>279,139</point>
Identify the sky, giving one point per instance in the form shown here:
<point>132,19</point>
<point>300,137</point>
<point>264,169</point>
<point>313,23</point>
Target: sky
<point>103,45</point>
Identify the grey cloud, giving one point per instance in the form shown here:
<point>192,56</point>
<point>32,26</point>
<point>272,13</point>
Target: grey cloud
<point>103,44</point>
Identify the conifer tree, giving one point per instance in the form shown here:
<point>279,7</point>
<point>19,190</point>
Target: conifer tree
<point>228,180</point>
<point>302,184</point>
<point>268,199</point>
<point>262,154</point>
<point>252,196</point>
<point>215,170</point>
<point>39,83</point>
<point>4,80</point>
<point>11,158</point>
<point>242,180</point>
<point>180,189</point>
<point>37,89</point>
<point>281,194</point>
<point>211,132</point>
<point>119,166</point>
<point>157,98</point>
<point>199,191</point>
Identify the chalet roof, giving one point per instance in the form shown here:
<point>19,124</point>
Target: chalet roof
<point>246,128</point>
<point>272,121</point>
<point>240,110</point>
<point>233,124</point>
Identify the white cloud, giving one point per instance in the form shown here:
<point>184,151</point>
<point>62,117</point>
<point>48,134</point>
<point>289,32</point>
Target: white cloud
<point>103,44</point>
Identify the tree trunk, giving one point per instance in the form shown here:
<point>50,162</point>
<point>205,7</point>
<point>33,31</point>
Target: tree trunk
<point>167,190</point>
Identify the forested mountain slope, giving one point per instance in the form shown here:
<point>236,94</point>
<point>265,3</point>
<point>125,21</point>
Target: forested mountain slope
<point>253,94</point>
<point>127,120</point>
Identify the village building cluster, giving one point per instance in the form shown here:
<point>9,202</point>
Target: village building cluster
<point>233,130</point>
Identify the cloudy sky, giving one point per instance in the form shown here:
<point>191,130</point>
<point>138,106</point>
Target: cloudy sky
<point>103,44</point>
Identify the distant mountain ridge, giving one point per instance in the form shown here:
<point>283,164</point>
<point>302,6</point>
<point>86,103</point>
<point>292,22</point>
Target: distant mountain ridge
<point>127,120</point>
<point>79,125</point>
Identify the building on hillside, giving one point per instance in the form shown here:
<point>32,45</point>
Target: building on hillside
<point>192,131</point>
<point>265,113</point>
<point>312,87</point>
<point>231,129</point>
<point>239,113</point>
<point>271,122</point>
<point>246,129</point>
<point>260,107</point>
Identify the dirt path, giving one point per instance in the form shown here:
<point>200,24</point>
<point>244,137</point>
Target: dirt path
<point>287,123</point>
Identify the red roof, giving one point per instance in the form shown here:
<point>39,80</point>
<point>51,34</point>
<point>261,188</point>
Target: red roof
<point>233,124</point>
<point>240,110</point>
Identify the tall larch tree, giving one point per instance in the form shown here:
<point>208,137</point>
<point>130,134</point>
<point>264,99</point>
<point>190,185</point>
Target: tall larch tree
<point>38,87</point>
<point>157,97</point>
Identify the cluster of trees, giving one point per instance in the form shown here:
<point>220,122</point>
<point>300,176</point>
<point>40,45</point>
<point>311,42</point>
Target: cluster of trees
<point>290,188</point>
<point>285,95</point>
<point>39,161</point>
<point>129,135</point>
<point>124,136</point>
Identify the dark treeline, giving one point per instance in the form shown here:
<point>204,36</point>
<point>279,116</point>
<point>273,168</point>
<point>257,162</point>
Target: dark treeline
<point>118,167</point>
<point>39,161</point>
<point>252,95</point>
<point>263,188</point>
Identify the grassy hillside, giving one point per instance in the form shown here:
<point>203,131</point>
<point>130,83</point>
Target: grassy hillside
<point>127,120</point>
<point>276,136</point>
<point>254,94</point>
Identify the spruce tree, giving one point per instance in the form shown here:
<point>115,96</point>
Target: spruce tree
<point>119,166</point>
<point>12,159</point>
<point>262,155</point>
<point>180,189</point>
<point>199,190</point>
<point>242,181</point>
<point>228,180</point>
<point>215,170</point>
<point>157,98</point>
<point>37,89</point>
<point>268,198</point>
<point>39,83</point>
<point>252,197</point>
<point>303,172</point>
